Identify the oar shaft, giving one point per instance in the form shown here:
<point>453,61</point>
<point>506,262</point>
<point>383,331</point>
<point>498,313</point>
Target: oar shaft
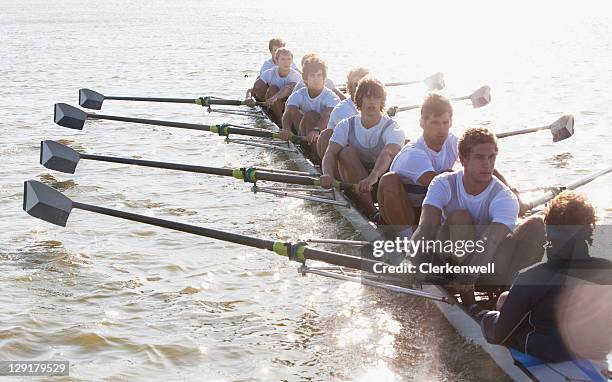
<point>460,98</point>
<point>252,176</point>
<point>523,131</point>
<point>308,253</point>
<point>153,99</point>
<point>164,165</point>
<point>549,195</point>
<point>192,126</point>
<point>402,83</point>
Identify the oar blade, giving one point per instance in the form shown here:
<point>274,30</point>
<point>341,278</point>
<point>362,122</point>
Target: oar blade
<point>481,97</point>
<point>562,128</point>
<point>58,157</point>
<point>69,116</point>
<point>435,81</point>
<point>46,203</point>
<point>90,99</point>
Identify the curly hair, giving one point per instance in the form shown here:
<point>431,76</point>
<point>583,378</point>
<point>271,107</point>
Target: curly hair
<point>570,208</point>
<point>435,105</point>
<point>475,136</point>
<point>370,87</point>
<point>281,51</point>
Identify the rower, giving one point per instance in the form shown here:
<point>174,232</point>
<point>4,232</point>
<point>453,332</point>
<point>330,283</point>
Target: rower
<point>273,45</point>
<point>473,205</point>
<point>346,108</point>
<point>276,84</point>
<point>363,146</point>
<point>328,82</point>
<point>308,109</point>
<point>401,191</point>
<point>558,310</point>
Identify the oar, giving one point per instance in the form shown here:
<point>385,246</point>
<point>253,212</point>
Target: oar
<point>433,82</point>
<point>50,205</point>
<point>561,129</point>
<point>58,157</point>
<point>480,97</point>
<point>74,118</point>
<point>90,99</point>
<point>550,194</point>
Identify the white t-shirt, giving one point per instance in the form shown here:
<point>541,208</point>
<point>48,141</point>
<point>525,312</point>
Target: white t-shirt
<point>272,78</point>
<point>346,108</point>
<point>269,64</point>
<point>301,99</point>
<point>503,208</point>
<point>416,159</point>
<point>369,137</point>
<point>328,84</point>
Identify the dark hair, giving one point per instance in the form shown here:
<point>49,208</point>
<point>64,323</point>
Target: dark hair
<point>475,136</point>
<point>355,72</point>
<point>371,87</point>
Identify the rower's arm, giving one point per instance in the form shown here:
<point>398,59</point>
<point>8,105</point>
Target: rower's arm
<point>325,113</point>
<point>522,206</point>
<point>431,218</point>
<point>330,159</point>
<point>384,159</point>
<point>287,120</point>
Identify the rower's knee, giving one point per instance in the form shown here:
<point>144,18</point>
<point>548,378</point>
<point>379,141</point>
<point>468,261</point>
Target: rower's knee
<point>310,119</point>
<point>389,181</point>
<point>501,300</point>
<point>459,217</point>
<point>272,90</point>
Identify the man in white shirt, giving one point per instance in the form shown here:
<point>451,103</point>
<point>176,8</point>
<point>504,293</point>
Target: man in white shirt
<point>363,146</point>
<point>472,204</point>
<point>346,108</point>
<point>307,110</point>
<point>273,45</point>
<point>401,191</point>
<point>328,81</point>
<point>276,84</point>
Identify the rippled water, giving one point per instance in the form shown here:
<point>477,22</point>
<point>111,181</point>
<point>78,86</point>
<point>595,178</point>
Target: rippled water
<point>122,300</point>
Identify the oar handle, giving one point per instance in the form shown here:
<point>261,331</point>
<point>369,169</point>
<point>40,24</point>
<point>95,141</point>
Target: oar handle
<point>209,101</point>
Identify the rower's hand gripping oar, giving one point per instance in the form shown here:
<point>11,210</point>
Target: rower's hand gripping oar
<point>50,205</point>
<point>479,98</point>
<point>74,118</point>
<point>59,157</point>
<point>90,99</point>
<point>561,129</point>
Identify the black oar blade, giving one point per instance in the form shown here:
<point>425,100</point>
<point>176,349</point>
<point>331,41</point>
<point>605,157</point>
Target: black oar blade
<point>563,128</point>
<point>58,157</point>
<point>46,203</point>
<point>69,116</point>
<point>90,99</point>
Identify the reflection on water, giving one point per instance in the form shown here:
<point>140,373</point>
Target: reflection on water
<point>125,301</point>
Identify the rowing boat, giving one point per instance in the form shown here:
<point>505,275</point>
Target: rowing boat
<point>517,365</point>
<point>43,202</point>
